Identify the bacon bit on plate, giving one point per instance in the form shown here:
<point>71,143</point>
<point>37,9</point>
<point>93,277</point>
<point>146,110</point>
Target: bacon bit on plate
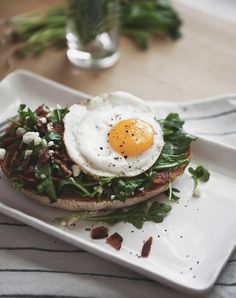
<point>99,232</point>
<point>146,248</point>
<point>41,111</point>
<point>115,240</point>
<point>161,178</point>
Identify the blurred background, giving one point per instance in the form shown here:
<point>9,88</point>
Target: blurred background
<point>200,63</point>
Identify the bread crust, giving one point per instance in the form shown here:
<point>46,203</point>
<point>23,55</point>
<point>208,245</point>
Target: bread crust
<point>74,202</point>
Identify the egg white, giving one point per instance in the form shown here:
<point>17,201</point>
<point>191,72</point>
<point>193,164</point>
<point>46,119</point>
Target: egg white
<point>86,135</point>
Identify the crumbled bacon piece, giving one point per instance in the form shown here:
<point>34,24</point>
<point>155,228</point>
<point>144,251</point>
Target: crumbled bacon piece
<point>115,240</point>
<point>7,164</point>
<point>25,164</point>
<point>99,232</point>
<point>41,111</point>
<point>44,155</point>
<point>146,248</point>
<point>57,127</point>
<point>31,170</point>
<point>63,166</point>
<point>10,140</point>
<point>27,178</point>
<point>13,158</point>
<point>62,156</point>
<point>161,178</point>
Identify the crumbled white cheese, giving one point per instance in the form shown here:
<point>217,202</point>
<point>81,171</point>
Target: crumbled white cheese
<point>20,131</point>
<point>141,188</point>
<point>75,170</point>
<point>43,176</point>
<point>28,153</point>
<point>30,137</point>
<point>58,106</point>
<point>50,152</point>
<point>50,126</point>
<point>63,223</point>
<point>112,197</point>
<point>44,143</point>
<point>50,143</point>
<point>37,141</point>
<point>99,189</point>
<point>196,192</point>
<point>2,153</point>
<point>45,108</point>
<point>43,120</point>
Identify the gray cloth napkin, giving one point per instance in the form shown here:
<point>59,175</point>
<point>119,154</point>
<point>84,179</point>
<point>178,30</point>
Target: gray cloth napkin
<point>33,264</point>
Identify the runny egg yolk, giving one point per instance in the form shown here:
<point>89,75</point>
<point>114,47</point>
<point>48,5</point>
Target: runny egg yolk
<point>131,137</point>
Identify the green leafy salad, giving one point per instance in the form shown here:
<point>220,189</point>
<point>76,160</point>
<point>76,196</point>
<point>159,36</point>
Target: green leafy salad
<point>42,162</point>
<point>139,20</point>
<point>35,158</point>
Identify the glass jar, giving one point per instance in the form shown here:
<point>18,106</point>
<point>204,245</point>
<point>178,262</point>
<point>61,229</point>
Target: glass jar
<point>92,32</point>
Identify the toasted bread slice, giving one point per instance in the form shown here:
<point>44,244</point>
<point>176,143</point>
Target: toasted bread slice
<point>75,202</point>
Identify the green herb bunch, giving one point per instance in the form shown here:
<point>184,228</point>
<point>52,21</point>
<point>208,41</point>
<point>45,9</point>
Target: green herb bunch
<point>138,19</point>
<point>90,18</point>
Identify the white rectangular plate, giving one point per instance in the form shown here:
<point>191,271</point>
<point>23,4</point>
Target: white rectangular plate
<point>195,240</point>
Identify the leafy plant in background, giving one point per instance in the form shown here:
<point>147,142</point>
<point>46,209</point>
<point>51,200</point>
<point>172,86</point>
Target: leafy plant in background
<point>139,20</point>
<point>91,17</point>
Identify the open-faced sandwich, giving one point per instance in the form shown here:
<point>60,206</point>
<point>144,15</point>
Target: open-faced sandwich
<point>105,153</point>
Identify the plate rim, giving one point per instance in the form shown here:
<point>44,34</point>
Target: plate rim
<point>60,233</point>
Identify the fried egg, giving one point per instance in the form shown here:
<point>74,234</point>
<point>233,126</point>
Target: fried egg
<point>113,135</point>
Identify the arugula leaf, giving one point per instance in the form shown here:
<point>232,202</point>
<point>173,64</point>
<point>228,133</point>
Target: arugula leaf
<point>181,141</point>
<point>172,122</point>
<point>21,108</point>
<point>76,184</point>
<point>28,115</point>
<point>170,161</point>
<point>170,193</point>
<point>123,188</point>
<point>53,136</point>
<point>42,169</point>
<point>43,173</point>
<point>17,183</point>
<point>136,215</point>
<point>57,115</point>
<point>48,187</point>
<point>177,140</point>
<point>198,174</point>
